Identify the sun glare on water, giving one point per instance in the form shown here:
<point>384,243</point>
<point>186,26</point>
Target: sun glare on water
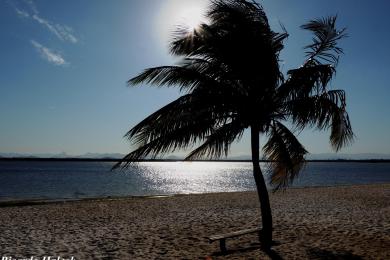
<point>188,14</point>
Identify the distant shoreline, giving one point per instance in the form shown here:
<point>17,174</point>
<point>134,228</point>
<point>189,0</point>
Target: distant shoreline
<point>171,160</point>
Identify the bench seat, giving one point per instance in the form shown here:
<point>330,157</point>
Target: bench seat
<point>222,237</point>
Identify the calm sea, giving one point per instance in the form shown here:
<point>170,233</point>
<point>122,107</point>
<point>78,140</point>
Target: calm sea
<point>75,180</point>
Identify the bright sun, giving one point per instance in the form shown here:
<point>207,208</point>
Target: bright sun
<point>190,13</point>
<point>186,13</point>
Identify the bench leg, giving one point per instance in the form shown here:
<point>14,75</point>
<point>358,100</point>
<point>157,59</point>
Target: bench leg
<point>222,245</point>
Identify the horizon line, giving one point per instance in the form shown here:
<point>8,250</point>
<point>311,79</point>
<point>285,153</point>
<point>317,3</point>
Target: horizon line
<point>108,159</point>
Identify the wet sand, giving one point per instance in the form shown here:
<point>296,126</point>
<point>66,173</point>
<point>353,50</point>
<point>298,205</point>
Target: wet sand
<point>351,222</point>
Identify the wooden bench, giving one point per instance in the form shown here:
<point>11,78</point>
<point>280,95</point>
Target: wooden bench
<point>222,237</point>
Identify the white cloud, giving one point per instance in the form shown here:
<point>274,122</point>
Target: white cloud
<point>49,55</point>
<point>47,24</point>
<point>21,13</point>
<point>63,32</point>
<point>66,32</point>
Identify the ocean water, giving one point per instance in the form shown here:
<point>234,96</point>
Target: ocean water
<point>76,180</point>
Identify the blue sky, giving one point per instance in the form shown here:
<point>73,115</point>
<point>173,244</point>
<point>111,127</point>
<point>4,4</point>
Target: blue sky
<point>64,67</point>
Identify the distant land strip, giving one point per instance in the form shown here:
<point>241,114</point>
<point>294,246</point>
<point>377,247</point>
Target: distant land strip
<point>38,159</point>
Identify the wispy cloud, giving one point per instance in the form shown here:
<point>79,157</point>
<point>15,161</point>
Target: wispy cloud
<point>49,55</point>
<point>21,13</point>
<point>62,32</point>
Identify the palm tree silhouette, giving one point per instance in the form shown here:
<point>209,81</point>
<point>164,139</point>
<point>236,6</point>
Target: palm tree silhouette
<point>231,79</point>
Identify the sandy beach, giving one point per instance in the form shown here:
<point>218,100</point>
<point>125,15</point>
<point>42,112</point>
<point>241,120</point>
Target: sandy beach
<point>309,223</point>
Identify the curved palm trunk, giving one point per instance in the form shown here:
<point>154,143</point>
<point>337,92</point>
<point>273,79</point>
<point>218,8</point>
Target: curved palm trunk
<point>262,192</point>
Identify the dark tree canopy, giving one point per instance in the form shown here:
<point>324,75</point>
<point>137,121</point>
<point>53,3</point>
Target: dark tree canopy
<point>231,80</point>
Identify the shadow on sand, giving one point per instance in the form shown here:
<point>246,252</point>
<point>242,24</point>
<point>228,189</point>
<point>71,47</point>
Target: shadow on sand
<point>318,253</point>
<point>254,246</point>
<point>313,253</point>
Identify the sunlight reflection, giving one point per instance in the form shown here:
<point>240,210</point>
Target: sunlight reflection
<point>196,177</point>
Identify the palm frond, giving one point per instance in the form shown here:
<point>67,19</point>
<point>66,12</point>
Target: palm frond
<point>191,74</point>
<point>218,142</point>
<point>324,111</point>
<point>179,139</point>
<point>187,43</point>
<point>186,110</point>
<point>325,41</point>
<point>305,81</point>
<point>185,121</point>
<point>286,154</point>
<point>341,130</point>
<point>229,12</point>
<point>184,77</point>
<point>278,40</point>
<point>164,115</point>
<point>154,141</point>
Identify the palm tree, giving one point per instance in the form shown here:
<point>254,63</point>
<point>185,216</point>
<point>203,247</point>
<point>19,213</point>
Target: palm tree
<point>230,76</point>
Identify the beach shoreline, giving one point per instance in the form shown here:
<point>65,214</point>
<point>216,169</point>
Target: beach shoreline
<point>314,222</point>
<point>41,201</point>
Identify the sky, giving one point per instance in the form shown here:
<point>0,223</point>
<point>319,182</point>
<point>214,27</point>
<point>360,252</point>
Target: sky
<point>64,67</point>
